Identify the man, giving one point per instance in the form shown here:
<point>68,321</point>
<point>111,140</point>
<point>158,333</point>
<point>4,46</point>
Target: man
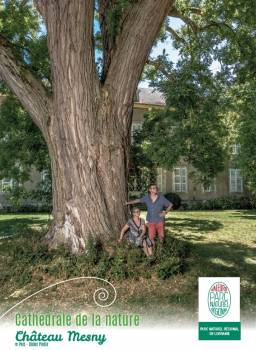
<point>155,211</point>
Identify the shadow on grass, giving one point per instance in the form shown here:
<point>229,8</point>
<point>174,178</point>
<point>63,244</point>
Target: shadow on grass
<point>219,259</point>
<point>193,225</point>
<point>245,214</point>
<point>12,226</point>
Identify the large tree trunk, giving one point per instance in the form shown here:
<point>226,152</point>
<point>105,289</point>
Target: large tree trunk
<point>89,170</point>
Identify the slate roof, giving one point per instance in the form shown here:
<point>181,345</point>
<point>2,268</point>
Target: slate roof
<point>150,96</point>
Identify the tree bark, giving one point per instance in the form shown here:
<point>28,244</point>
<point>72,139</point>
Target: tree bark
<point>88,121</point>
<point>29,90</point>
<point>89,183</point>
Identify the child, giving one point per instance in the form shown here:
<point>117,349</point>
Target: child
<point>137,232</point>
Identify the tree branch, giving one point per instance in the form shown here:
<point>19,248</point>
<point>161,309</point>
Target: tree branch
<point>40,5</point>
<point>140,28</point>
<point>195,10</point>
<point>159,65</point>
<point>192,24</point>
<point>70,41</point>
<point>29,90</point>
<point>175,34</point>
<point>108,43</point>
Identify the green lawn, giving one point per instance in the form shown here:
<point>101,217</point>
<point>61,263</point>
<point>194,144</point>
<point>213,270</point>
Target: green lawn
<point>223,243</point>
<point>11,224</point>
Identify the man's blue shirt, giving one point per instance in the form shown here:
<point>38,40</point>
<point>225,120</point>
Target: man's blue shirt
<point>155,208</point>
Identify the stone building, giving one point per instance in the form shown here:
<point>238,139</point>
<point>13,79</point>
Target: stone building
<point>227,183</point>
<point>178,180</point>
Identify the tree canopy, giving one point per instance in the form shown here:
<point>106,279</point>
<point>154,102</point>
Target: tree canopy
<point>193,125</point>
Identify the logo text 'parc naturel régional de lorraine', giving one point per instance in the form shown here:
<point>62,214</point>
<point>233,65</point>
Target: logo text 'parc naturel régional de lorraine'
<point>219,299</point>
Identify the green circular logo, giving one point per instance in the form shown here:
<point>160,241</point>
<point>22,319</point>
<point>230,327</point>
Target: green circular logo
<point>219,299</point>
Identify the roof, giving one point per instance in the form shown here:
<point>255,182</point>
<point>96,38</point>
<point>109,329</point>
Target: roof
<point>150,96</point>
<point>146,98</point>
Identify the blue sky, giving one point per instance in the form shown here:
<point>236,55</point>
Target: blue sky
<point>173,54</point>
<point>176,24</point>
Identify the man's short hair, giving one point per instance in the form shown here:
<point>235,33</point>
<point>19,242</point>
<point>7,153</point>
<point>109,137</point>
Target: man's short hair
<point>152,184</point>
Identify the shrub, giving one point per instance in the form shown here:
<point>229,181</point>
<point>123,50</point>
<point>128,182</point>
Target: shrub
<point>174,198</point>
<point>93,251</point>
<point>169,267</point>
<point>26,208</point>
<point>28,261</point>
<point>171,257</point>
<point>119,267</point>
<point>221,203</point>
<point>21,200</point>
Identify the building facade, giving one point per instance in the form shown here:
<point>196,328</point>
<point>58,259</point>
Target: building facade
<point>228,183</point>
<point>179,179</point>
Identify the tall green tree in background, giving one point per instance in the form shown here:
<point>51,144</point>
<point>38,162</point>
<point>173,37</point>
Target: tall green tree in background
<point>192,126</point>
<point>243,97</point>
<point>22,145</point>
<point>198,123</point>
<point>83,106</point>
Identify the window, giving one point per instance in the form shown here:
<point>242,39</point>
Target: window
<point>211,187</point>
<point>235,180</point>
<point>135,127</point>
<point>180,179</point>
<point>161,179</point>
<point>235,149</point>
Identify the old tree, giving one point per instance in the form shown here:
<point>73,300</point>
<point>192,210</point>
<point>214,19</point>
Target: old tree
<point>84,111</point>
<point>86,119</point>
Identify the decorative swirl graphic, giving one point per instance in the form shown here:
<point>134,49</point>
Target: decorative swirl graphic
<point>100,295</point>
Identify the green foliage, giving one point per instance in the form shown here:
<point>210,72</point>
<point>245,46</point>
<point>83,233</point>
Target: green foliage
<point>22,147</point>
<point>171,257</point>
<point>174,198</point>
<point>28,260</point>
<point>244,106</point>
<point>191,127</point>
<point>94,251</point>
<point>142,170</point>
<point>19,22</point>
<point>21,143</point>
<point>15,196</point>
<point>21,200</point>
<point>115,16</point>
<point>169,267</point>
<point>221,30</point>
<point>221,203</point>
<point>119,267</point>
<point>24,257</point>
<point>197,127</point>
<point>42,194</point>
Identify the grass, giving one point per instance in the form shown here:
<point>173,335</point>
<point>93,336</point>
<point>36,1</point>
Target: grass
<point>11,224</point>
<point>223,243</point>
